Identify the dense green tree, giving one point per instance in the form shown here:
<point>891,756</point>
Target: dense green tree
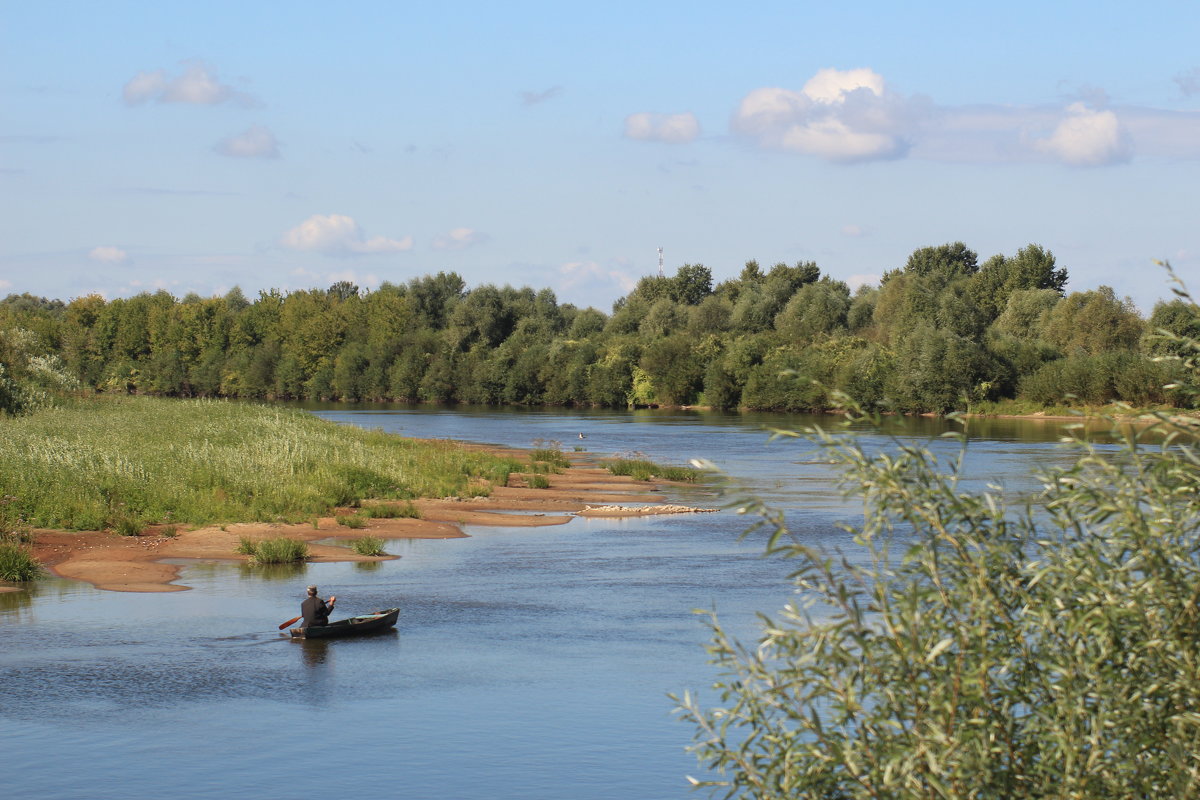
<point>1033,267</point>
<point>691,284</point>
<point>1092,322</point>
<point>815,310</point>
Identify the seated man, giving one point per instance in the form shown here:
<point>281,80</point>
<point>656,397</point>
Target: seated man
<point>315,610</point>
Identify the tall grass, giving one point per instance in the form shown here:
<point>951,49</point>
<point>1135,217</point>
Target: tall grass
<point>90,464</point>
<point>642,470</point>
<point>17,563</point>
<point>405,510</point>
<point>368,546</point>
<point>273,551</point>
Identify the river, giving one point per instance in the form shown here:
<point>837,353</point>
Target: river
<point>527,663</point>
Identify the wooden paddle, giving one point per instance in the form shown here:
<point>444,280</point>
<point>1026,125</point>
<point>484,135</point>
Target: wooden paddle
<point>289,622</point>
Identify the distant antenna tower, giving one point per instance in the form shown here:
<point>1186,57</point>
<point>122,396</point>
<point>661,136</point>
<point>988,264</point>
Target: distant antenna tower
<point>660,263</point>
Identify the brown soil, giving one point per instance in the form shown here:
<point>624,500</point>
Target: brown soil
<point>152,561</point>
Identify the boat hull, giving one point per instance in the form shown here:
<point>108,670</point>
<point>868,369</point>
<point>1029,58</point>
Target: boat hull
<point>354,626</point>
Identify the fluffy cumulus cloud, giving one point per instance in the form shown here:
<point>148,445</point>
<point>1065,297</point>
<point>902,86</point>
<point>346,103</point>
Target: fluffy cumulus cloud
<point>839,115</point>
<point>1087,137</point>
<point>108,254</point>
<point>197,85</point>
<point>671,128</point>
<point>459,239</point>
<point>256,142</point>
<point>339,235</point>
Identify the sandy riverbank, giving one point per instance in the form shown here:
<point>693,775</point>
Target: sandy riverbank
<point>152,562</point>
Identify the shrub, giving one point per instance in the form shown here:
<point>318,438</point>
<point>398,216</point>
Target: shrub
<point>1047,650</point>
<point>279,551</point>
<point>549,452</point>
<point>394,510</point>
<point>351,520</point>
<point>368,546</point>
<point>537,481</point>
<point>642,470</point>
<point>17,563</point>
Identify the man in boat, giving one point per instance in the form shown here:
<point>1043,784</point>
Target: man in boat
<point>315,610</point>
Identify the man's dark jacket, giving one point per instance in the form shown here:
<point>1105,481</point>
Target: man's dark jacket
<point>315,612</point>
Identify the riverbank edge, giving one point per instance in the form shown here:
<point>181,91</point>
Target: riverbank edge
<point>152,561</point>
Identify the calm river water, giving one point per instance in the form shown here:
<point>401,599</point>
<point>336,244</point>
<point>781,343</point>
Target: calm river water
<point>527,663</point>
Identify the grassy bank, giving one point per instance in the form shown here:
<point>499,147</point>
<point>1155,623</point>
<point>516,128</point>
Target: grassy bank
<point>1026,408</point>
<point>125,462</point>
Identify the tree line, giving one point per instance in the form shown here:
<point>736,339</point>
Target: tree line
<point>938,334</point>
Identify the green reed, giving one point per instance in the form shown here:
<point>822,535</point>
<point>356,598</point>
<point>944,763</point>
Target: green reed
<point>273,551</point>
<point>368,546</point>
<point>17,564</point>
<point>642,470</point>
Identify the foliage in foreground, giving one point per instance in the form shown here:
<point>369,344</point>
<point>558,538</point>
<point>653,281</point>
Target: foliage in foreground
<point>979,651</point>
<point>124,463</point>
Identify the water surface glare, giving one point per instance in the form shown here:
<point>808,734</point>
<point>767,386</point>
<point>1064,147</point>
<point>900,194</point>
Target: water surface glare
<point>527,663</point>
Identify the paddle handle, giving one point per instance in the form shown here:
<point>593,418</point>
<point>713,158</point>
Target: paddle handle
<point>289,622</point>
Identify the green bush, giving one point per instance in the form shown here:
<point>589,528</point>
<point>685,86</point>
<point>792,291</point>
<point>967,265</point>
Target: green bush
<point>537,481</point>
<point>278,551</point>
<point>273,551</point>
<point>17,564</point>
<point>549,455</point>
<point>368,546</point>
<point>642,470</point>
<point>977,650</point>
<point>352,520</point>
<point>394,510</point>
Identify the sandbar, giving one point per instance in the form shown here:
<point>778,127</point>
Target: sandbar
<point>152,561</point>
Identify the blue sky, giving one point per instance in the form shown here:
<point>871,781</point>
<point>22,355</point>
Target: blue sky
<point>195,147</point>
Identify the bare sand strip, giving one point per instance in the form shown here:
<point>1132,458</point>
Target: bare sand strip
<point>152,562</point>
<point>640,511</point>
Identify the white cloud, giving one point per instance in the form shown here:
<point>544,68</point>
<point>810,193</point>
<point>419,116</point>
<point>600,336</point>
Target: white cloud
<point>108,254</point>
<point>854,231</point>
<point>255,142</point>
<point>459,239</point>
<point>5,284</point>
<point>198,85</point>
<point>855,281</point>
<point>337,234</point>
<point>670,128</point>
<point>1086,137</point>
<point>308,278</point>
<point>533,98</point>
<point>590,274</point>
<point>144,86</point>
<point>839,115</point>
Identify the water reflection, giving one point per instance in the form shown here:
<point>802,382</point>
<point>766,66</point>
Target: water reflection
<point>274,572</point>
<point>315,652</point>
<point>20,599</point>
